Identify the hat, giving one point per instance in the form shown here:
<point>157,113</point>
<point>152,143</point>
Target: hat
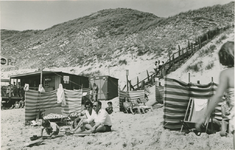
<point>84,94</point>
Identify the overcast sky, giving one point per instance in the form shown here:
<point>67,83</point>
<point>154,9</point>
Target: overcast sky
<point>26,15</point>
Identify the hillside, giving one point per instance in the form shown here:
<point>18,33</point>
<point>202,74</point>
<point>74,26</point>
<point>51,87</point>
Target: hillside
<point>110,41</point>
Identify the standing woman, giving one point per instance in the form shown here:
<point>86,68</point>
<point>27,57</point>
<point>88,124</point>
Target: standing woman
<point>95,92</point>
<point>226,83</point>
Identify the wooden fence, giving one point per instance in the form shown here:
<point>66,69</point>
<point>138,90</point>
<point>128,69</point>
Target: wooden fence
<point>182,54</point>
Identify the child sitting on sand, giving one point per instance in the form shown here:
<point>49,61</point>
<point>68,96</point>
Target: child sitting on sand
<point>51,128</point>
<point>109,109</point>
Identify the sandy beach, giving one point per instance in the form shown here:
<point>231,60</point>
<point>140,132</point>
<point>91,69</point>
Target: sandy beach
<point>139,131</point>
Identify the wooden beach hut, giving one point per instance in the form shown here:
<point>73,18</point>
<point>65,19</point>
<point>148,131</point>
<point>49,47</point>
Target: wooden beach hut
<point>107,86</point>
<point>50,80</point>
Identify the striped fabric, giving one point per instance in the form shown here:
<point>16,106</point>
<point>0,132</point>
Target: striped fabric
<point>132,95</point>
<point>35,101</point>
<point>176,98</point>
<point>218,112</point>
<point>121,95</point>
<point>73,100</point>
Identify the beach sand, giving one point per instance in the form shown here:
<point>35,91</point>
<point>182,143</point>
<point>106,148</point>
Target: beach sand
<point>139,131</point>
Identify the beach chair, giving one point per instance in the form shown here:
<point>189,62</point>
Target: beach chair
<point>195,109</point>
<point>224,120</point>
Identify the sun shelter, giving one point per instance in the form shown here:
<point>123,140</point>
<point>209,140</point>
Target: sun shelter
<point>176,99</point>
<point>107,86</point>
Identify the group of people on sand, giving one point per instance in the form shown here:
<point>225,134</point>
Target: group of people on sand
<point>135,107</point>
<point>93,119</point>
<point>18,104</point>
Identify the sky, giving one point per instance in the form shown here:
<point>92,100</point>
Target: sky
<point>40,15</point>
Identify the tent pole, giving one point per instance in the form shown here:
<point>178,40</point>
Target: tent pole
<point>188,77</point>
<point>41,77</point>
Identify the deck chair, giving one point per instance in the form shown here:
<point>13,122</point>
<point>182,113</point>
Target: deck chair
<point>224,121</point>
<point>195,109</point>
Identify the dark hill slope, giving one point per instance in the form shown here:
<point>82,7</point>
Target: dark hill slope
<point>108,34</point>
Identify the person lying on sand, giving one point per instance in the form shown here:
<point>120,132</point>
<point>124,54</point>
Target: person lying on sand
<point>51,128</point>
<point>86,120</point>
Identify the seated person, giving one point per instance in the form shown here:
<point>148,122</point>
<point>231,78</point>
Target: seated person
<point>142,107</point>
<point>86,119</point>
<point>128,106</point>
<point>16,105</point>
<point>51,128</point>
<point>109,109</point>
<point>21,103</point>
<point>9,91</point>
<point>102,120</point>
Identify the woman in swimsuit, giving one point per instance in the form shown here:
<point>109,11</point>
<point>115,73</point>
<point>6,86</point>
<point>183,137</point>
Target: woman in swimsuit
<point>226,83</point>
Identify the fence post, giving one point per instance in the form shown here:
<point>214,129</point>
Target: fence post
<point>127,73</point>
<point>207,37</point>
<point>179,49</point>
<point>200,42</point>
<point>131,85</point>
<point>192,47</point>
<point>188,77</point>
<point>169,56</point>
<point>147,75</point>
<point>187,52</point>
<point>138,83</point>
<point>152,79</point>
<point>142,85</point>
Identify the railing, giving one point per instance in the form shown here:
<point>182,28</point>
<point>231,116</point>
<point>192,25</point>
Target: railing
<point>182,54</point>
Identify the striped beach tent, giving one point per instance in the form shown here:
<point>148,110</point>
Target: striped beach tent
<point>176,98</point>
<point>73,100</point>
<point>35,101</point>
